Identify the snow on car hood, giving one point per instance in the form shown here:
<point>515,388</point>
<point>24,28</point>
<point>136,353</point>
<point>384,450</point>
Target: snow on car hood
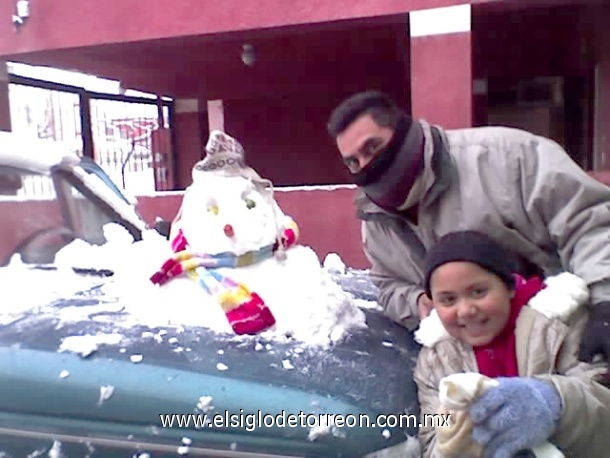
<point>307,304</point>
<point>317,345</point>
<point>28,289</point>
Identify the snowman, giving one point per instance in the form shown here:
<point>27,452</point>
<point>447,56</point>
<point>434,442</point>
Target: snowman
<point>231,238</point>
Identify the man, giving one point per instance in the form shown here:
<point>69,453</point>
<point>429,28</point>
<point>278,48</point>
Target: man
<point>418,182</point>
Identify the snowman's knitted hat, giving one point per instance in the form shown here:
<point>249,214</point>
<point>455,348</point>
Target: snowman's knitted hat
<point>225,157</point>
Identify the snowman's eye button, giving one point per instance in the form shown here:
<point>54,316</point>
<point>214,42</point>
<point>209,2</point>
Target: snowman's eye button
<point>213,209</point>
<point>250,203</point>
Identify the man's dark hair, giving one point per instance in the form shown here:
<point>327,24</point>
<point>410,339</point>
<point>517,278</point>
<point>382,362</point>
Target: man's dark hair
<point>378,105</point>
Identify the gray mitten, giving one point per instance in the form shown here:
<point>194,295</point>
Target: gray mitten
<point>518,414</point>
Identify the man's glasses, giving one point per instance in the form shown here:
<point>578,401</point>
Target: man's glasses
<point>372,148</point>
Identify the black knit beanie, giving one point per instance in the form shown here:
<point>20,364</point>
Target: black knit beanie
<point>471,246</point>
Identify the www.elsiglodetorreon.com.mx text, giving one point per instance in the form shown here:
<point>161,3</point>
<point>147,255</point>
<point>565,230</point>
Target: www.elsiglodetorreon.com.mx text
<point>252,421</point>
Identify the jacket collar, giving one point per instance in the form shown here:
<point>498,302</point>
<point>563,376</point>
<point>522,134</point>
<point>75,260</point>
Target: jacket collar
<point>563,296</point>
<point>531,325</point>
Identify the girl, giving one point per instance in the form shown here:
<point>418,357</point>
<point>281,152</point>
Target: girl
<point>545,393</point>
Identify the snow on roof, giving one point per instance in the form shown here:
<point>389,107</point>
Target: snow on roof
<point>33,154</point>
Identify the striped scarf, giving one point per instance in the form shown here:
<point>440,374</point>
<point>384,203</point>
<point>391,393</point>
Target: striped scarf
<point>246,311</point>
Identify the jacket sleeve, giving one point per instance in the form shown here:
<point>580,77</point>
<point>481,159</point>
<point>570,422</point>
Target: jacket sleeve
<point>393,273</point>
<point>427,380</point>
<point>585,421</point>
<point>574,207</point>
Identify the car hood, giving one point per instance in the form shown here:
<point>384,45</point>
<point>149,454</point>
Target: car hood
<point>369,372</point>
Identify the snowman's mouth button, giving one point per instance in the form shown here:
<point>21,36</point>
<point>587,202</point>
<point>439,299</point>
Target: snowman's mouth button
<point>229,231</point>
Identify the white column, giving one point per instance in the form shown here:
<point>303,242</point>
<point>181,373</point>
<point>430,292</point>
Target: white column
<point>216,115</point>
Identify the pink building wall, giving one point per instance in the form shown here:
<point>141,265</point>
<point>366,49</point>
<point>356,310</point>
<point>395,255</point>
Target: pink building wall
<point>57,24</point>
<point>189,144</point>
<point>284,134</point>
<point>441,86</point>
<point>326,218</point>
<point>285,138</point>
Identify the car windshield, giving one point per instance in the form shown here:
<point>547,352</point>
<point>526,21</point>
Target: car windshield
<point>63,209</point>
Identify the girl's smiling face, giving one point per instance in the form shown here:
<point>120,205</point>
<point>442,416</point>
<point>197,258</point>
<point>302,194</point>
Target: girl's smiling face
<point>472,303</point>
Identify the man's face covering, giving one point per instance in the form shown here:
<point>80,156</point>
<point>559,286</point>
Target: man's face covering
<point>362,142</point>
<point>388,163</point>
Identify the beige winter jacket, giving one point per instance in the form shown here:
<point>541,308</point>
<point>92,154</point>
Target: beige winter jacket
<point>522,190</point>
<point>547,349</point>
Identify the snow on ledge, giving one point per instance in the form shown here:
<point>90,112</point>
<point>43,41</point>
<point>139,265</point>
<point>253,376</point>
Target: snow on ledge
<point>326,187</point>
